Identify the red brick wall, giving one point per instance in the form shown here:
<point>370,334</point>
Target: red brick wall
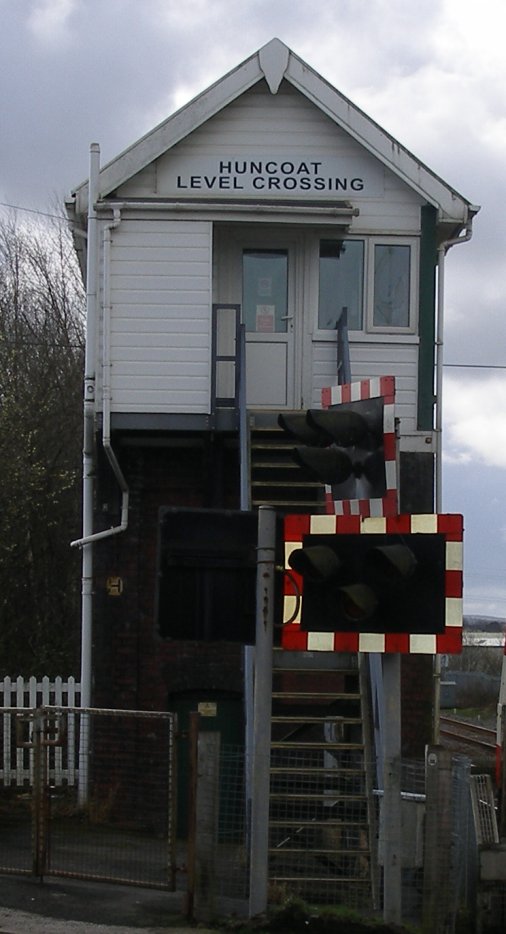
<point>133,666</point>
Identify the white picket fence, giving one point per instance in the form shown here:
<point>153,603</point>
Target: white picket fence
<point>17,698</point>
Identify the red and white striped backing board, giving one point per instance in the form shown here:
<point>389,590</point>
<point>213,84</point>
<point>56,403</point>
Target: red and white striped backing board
<point>353,392</point>
<point>448,642</point>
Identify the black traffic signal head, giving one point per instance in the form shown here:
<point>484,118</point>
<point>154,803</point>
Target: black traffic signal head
<point>298,427</point>
<point>342,447</point>
<point>354,425</point>
<point>376,582</point>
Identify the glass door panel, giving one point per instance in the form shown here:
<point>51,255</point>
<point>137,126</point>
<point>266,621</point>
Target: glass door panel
<point>265,291</point>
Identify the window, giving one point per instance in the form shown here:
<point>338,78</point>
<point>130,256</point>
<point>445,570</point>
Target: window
<point>341,283</point>
<point>372,279</point>
<point>391,286</point>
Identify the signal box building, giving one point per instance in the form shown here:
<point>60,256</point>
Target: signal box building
<point>272,202</point>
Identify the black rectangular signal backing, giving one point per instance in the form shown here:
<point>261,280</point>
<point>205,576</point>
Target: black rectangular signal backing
<point>207,575</point>
<point>414,605</point>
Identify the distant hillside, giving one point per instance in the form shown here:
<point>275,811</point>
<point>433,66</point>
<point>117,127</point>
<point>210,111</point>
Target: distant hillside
<point>485,623</point>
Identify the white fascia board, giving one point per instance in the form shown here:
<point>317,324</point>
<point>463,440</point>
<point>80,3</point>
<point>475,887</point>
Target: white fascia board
<point>173,130</point>
<point>453,207</point>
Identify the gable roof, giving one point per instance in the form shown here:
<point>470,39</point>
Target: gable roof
<point>275,62</point>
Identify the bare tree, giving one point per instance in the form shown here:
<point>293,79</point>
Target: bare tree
<point>41,354</point>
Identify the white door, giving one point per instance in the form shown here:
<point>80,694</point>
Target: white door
<point>259,272</point>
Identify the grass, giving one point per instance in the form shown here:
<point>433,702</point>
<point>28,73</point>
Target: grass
<point>296,917</point>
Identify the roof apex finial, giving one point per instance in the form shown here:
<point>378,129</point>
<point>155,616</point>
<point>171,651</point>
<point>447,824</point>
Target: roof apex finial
<point>273,59</point>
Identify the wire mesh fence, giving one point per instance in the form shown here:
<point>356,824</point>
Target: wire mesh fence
<point>97,796</point>
<point>114,819</point>
<point>319,846</point>
<point>325,835</point>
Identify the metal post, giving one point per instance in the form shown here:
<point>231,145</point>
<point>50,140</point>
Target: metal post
<point>88,469</point>
<point>207,817</point>
<point>391,817</point>
<point>40,796</point>
<point>438,839</point>
<point>259,851</point>
<point>502,776</point>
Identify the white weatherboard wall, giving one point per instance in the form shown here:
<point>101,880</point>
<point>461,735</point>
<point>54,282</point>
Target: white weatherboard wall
<point>160,327</point>
<point>258,126</point>
<point>262,126</point>
<point>372,357</point>
<point>271,144</point>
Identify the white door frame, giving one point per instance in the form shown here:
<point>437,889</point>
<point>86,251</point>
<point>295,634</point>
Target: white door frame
<point>229,245</point>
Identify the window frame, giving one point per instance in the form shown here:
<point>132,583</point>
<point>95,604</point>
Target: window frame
<point>369,328</point>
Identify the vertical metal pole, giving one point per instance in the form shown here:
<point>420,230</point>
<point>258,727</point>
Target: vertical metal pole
<point>88,469</point>
<point>391,818</point>
<point>244,464</point>
<point>259,852</point>
<point>89,423</point>
<point>500,727</point>
<point>438,425</point>
<point>40,796</point>
<point>207,818</point>
<point>502,776</point>
<point>438,840</point>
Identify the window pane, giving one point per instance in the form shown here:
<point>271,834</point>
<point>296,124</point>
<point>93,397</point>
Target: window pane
<point>341,282</point>
<point>391,286</point>
<point>265,289</point>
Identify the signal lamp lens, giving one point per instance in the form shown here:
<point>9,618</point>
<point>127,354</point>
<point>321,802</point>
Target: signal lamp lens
<point>317,564</point>
<point>297,426</point>
<point>358,602</point>
<point>393,563</point>
<point>328,465</point>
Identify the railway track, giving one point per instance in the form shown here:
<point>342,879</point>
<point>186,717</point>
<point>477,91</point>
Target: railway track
<point>472,735</point>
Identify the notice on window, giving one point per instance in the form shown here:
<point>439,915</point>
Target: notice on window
<point>265,316</point>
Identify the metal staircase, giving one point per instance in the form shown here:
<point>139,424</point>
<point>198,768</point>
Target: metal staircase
<point>275,479</point>
<point>322,825</point>
<point>322,814</point>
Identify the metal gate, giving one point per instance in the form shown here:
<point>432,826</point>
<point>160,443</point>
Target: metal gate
<point>90,794</point>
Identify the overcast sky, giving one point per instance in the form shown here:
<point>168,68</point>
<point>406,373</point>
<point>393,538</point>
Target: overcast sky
<point>432,73</point>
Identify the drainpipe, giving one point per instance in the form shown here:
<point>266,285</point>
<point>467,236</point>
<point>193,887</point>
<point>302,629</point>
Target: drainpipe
<point>106,391</point>
<point>106,379</point>
<point>442,251</point>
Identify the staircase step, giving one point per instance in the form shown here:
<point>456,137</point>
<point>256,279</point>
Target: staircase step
<point>314,696</point>
<point>328,747</point>
<point>328,823</point>
<point>342,721</point>
<point>275,479</point>
<point>279,770</point>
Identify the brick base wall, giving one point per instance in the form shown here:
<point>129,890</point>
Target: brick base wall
<point>133,666</point>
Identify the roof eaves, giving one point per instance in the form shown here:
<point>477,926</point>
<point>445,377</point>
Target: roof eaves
<point>452,205</point>
<point>175,128</point>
